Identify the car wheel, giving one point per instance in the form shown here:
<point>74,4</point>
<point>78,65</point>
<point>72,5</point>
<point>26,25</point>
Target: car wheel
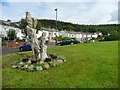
<point>72,43</point>
<point>21,49</point>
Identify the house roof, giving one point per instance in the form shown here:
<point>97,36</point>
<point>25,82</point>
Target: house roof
<point>7,23</point>
<point>72,32</point>
<point>49,29</point>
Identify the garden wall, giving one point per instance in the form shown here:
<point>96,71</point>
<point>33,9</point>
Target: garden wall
<point>51,42</point>
<point>15,44</point>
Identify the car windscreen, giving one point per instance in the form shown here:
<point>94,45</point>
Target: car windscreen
<point>27,43</point>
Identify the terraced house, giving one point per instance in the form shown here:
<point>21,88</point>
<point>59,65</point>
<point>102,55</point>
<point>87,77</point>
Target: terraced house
<point>80,35</point>
<point>51,32</point>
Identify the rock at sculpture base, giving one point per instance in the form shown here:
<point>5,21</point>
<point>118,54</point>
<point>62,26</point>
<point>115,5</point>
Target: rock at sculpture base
<point>25,66</point>
<point>55,63</point>
<point>39,68</point>
<point>60,62</point>
<point>51,63</point>
<point>14,66</point>
<point>29,62</point>
<point>21,63</point>
<point>30,68</point>
<point>46,65</point>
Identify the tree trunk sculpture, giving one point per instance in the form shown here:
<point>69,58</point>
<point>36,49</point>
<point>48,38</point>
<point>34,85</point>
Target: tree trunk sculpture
<point>31,32</point>
<point>43,51</point>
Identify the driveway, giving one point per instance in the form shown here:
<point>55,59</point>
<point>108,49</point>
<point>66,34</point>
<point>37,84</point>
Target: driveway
<point>9,50</point>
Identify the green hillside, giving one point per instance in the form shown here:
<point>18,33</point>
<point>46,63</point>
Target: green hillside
<point>107,28</point>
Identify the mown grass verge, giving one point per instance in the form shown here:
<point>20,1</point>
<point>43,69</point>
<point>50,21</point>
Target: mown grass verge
<point>88,65</point>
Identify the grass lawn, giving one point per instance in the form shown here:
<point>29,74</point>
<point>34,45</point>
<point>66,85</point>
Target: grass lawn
<point>88,65</point>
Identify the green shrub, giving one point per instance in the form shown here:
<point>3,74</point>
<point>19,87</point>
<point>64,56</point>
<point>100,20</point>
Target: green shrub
<point>64,38</point>
<point>73,38</point>
<point>111,37</point>
<point>93,38</point>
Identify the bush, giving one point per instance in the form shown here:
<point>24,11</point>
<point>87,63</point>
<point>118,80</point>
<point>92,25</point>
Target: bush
<point>58,38</point>
<point>111,37</point>
<point>55,38</point>
<point>11,34</point>
<point>73,38</point>
<point>93,38</point>
<point>64,38</point>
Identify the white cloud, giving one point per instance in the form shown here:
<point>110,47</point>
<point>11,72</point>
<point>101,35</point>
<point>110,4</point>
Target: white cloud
<point>60,0</point>
<point>75,12</point>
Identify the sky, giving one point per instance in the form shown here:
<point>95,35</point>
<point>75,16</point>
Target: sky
<point>80,12</point>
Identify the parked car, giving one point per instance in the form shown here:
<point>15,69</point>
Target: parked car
<point>67,42</point>
<point>92,40</point>
<point>80,41</point>
<point>25,47</point>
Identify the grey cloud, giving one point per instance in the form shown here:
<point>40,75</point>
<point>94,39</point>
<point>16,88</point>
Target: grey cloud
<point>114,15</point>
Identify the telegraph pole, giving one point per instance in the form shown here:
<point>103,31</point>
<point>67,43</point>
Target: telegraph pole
<point>56,28</point>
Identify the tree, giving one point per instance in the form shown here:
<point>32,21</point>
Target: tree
<point>92,30</point>
<point>38,26</point>
<point>112,37</point>
<point>23,25</point>
<point>11,34</point>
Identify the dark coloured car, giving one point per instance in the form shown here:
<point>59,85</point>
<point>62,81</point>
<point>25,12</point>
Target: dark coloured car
<point>80,41</point>
<point>25,47</point>
<point>67,42</point>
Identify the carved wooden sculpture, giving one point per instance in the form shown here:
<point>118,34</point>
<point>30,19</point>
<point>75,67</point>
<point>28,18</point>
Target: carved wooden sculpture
<point>43,51</point>
<point>31,32</point>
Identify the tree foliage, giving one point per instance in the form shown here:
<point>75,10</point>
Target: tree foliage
<point>112,37</point>
<point>11,34</point>
<point>23,25</point>
<point>105,29</point>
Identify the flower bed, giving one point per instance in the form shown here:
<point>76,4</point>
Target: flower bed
<point>31,64</point>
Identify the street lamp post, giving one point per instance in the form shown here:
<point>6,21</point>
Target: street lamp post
<point>56,28</point>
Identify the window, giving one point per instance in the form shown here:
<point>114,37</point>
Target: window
<point>27,43</point>
<point>72,40</point>
<point>4,28</point>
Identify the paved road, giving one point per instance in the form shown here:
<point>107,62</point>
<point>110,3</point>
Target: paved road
<point>9,50</point>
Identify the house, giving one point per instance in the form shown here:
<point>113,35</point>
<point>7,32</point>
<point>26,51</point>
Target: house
<point>64,33</point>
<point>51,33</point>
<point>5,26</point>
<point>79,35</point>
